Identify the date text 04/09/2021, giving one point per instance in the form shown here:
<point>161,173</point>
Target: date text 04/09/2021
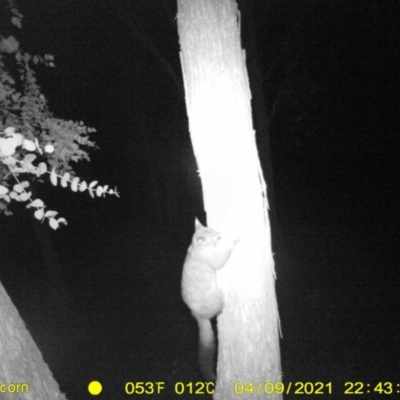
<point>321,388</point>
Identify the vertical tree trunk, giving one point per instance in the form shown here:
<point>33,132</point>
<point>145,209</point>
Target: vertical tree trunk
<point>21,363</point>
<point>234,191</point>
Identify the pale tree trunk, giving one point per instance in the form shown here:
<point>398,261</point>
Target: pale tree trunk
<point>234,191</point>
<point>23,373</point>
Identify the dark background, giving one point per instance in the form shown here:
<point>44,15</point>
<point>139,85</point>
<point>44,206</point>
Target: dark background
<point>329,101</point>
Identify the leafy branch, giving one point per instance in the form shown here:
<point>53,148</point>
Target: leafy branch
<point>8,146</point>
<point>27,127</point>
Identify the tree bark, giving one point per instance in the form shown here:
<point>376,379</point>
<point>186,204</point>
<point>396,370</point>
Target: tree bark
<point>23,372</point>
<point>218,105</point>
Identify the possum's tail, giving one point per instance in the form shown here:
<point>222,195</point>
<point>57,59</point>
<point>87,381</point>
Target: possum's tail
<point>206,349</point>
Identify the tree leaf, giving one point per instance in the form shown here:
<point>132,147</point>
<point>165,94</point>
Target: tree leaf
<point>50,214</point>
<point>9,131</point>
<point>10,44</point>
<point>18,188</point>
<point>62,221</point>
<point>99,191</point>
<point>25,196</point>
<point>42,169</point>
<point>29,145</point>
<point>53,176</point>
<point>39,213</point>
<point>53,223</point>
<point>36,203</point>
<point>38,147</point>
<point>82,186</point>
<point>65,179</point>
<point>7,147</point>
<point>9,161</point>
<point>19,170</point>
<point>29,158</point>
<point>74,184</point>
<point>3,190</point>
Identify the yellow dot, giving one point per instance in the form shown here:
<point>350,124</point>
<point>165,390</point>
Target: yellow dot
<point>95,388</point>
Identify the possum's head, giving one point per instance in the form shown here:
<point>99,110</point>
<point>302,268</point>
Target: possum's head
<point>208,246</point>
<point>204,237</point>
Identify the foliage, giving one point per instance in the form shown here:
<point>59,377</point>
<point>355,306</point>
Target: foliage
<point>28,127</point>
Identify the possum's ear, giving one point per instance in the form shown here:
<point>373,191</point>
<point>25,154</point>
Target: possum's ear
<point>197,224</point>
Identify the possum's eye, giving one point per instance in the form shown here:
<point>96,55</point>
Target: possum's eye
<point>200,240</point>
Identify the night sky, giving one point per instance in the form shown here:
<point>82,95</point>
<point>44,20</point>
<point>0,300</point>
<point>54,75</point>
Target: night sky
<point>328,74</point>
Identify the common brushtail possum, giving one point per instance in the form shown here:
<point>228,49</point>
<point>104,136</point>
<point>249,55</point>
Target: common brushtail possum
<point>207,253</point>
